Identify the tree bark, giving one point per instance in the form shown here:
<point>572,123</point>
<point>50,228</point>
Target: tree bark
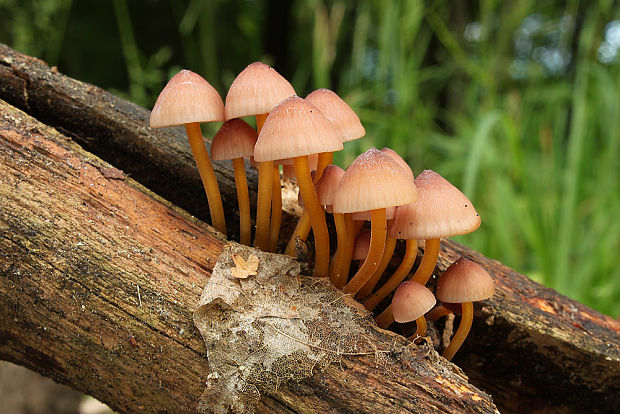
<point>530,347</point>
<point>99,278</point>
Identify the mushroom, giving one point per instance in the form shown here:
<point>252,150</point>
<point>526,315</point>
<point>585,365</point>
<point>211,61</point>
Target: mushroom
<point>463,282</point>
<point>374,181</point>
<point>189,99</point>
<point>441,211</point>
<point>349,127</point>
<point>295,129</point>
<point>410,302</point>
<point>235,140</point>
<point>254,92</point>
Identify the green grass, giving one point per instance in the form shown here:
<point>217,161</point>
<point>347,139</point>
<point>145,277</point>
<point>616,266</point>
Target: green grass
<point>452,88</point>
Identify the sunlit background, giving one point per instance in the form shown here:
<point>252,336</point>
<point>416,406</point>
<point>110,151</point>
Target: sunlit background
<point>516,102</point>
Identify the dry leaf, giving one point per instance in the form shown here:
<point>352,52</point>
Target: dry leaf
<point>244,268</point>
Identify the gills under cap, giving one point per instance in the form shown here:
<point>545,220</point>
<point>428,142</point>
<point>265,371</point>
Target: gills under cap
<point>187,98</point>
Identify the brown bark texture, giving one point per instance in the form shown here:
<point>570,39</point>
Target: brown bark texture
<point>100,277</point>
<point>530,347</point>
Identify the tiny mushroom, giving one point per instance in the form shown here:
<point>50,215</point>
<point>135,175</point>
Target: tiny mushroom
<point>410,302</point>
<point>296,129</point>
<point>255,92</point>
<point>463,282</point>
<point>349,128</point>
<point>189,99</point>
<point>234,141</point>
<point>374,181</point>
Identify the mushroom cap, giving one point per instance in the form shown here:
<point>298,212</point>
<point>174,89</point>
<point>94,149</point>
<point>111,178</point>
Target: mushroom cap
<point>186,98</point>
<point>361,245</point>
<point>255,91</point>
<point>374,180</point>
<point>398,159</point>
<point>295,128</point>
<point>390,212</point>
<point>339,113</point>
<point>440,211</point>
<point>328,184</point>
<point>411,300</point>
<point>235,139</point>
<point>464,281</point>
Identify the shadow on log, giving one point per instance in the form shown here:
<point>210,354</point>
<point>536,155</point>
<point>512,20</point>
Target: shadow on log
<point>531,348</point>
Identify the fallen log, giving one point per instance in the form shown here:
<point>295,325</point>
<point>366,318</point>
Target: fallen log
<point>530,347</point>
<point>99,279</point>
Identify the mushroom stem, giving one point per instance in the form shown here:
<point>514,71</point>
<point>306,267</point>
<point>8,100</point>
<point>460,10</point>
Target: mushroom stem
<point>243,198</point>
<point>263,204</point>
<point>325,159</point>
<point>301,230</point>
<point>260,121</point>
<point>429,260</point>
<point>207,175</point>
<point>343,261</point>
<point>385,318</point>
<point>390,245</point>
<point>439,312</point>
<point>276,210</point>
<point>341,234</point>
<point>303,225</point>
<point>420,328</point>
<point>378,233</point>
<point>411,252</point>
<point>467,317</point>
<point>317,216</point>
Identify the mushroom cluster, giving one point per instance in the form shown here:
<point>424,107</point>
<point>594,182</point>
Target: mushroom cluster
<point>300,135</point>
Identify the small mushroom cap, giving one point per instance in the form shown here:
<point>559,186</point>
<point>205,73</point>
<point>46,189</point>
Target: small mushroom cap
<point>362,245</point>
<point>235,139</point>
<point>255,91</point>
<point>398,159</point>
<point>374,180</point>
<point>411,300</point>
<point>440,211</point>
<point>464,281</point>
<point>328,184</point>
<point>339,113</point>
<point>295,128</point>
<point>187,98</point>
<point>390,212</point>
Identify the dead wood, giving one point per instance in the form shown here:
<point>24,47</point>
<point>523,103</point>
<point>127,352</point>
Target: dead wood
<point>530,347</point>
<point>99,279</point>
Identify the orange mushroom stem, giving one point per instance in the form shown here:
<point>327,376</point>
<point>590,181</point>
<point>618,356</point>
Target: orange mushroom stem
<point>317,216</point>
<point>207,175</point>
<point>429,260</point>
<point>411,251</point>
<point>467,317</point>
<point>378,231</point>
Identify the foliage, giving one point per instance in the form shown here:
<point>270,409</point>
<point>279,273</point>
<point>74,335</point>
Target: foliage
<point>514,102</point>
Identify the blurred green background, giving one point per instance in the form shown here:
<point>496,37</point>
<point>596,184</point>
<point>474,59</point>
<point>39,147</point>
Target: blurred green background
<point>516,102</point>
